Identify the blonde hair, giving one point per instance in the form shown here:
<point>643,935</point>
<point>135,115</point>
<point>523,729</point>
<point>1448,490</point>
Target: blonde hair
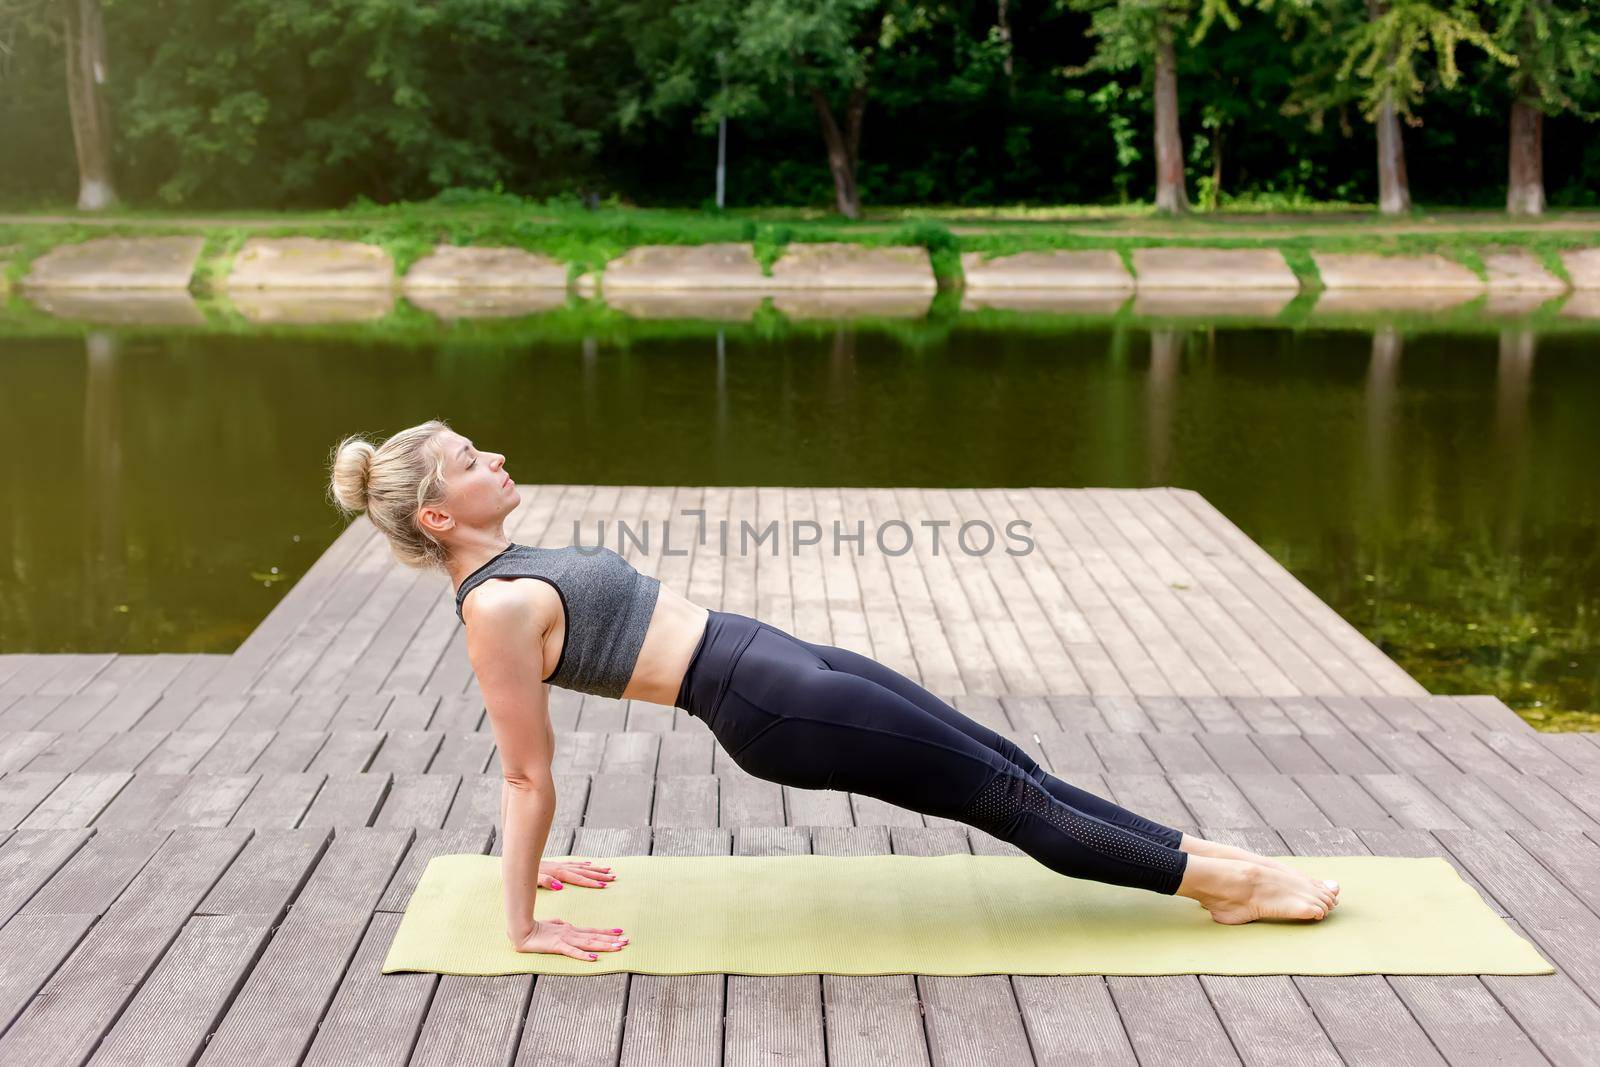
<point>392,482</point>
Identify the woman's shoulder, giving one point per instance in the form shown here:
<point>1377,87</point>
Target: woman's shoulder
<point>511,599</point>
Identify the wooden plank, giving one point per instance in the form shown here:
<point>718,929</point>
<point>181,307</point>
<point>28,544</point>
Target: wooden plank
<point>773,1018</point>
<point>32,947</point>
<point>216,713</point>
<point>274,1017</point>
<point>669,1017</point>
<point>1068,1018</point>
<point>1164,539</point>
<point>29,711</point>
<point>1144,653</point>
<point>892,633</point>
<point>76,712</point>
<point>1045,602</point>
<point>590,1004</point>
<point>29,859</point>
<point>1268,1018</point>
<point>1493,714</point>
<point>1523,752</point>
<point>208,800</point>
<point>265,711</point>
<point>1479,1022</point>
<point>477,802</point>
<point>34,674</point>
<point>178,752</point>
<point>901,581</point>
<point>408,712</point>
<point>407,751</point>
<point>123,671</point>
<point>374,1017</point>
<point>1095,631</point>
<point>470,1019</point>
<point>168,1019</point>
<point>848,621</point>
<point>347,751</point>
<point>76,802</point>
<point>298,603</point>
<point>1363,654</point>
<point>1363,1015</point>
<point>125,708</point>
<point>268,874</point>
<point>235,752</point>
<point>140,803</point>
<point>67,752</point>
<point>21,792</point>
<point>124,751</point>
<point>425,846</point>
<point>463,754</point>
<point>278,801</point>
<point>290,750</point>
<point>967,1018</point>
<point>317,711</point>
<point>18,747</point>
<point>347,800</point>
<point>354,639</point>
<point>1212,640</point>
<point>84,997</point>
<point>967,589</point>
<point>420,800</point>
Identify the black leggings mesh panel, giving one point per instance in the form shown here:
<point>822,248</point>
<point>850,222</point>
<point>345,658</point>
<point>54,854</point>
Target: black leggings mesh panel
<point>1017,809</point>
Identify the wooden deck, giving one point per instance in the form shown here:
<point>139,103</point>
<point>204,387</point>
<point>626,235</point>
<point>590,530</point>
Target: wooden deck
<point>203,858</point>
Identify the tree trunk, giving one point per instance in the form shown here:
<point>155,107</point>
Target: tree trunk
<point>1003,25</point>
<point>1394,192</point>
<point>843,147</point>
<point>1525,194</point>
<point>1216,167</point>
<point>91,121</point>
<point>1171,197</point>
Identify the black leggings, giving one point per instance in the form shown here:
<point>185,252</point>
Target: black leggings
<point>819,717</point>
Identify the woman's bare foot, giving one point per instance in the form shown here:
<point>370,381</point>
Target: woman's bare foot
<point>1236,891</point>
<point>1200,846</point>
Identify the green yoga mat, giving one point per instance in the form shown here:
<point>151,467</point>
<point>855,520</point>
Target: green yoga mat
<point>952,915</point>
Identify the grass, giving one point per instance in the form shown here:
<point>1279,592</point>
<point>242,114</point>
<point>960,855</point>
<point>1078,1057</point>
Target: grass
<point>586,239</point>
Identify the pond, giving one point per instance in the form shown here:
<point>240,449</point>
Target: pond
<point>1431,478</point>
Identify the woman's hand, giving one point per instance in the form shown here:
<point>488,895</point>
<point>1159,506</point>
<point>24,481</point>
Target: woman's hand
<point>554,874</point>
<point>563,939</point>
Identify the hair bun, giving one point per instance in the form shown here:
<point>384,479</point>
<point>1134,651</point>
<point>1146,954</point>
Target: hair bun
<point>352,463</point>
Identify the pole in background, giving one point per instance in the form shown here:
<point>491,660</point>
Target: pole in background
<point>722,139</point>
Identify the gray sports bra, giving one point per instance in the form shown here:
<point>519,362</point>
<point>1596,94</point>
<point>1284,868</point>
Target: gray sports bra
<point>606,601</point>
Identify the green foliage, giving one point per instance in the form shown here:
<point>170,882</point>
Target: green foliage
<point>368,103</point>
<point>1352,54</point>
<point>1556,44</point>
<point>291,101</point>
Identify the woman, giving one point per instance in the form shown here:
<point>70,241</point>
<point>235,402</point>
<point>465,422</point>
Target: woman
<point>787,710</point>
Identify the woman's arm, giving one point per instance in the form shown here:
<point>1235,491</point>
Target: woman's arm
<point>527,810</point>
<point>504,637</point>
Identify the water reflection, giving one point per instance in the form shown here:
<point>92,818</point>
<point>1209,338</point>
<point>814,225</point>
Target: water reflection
<point>1430,481</point>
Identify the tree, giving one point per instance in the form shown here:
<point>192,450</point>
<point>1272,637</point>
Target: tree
<point>1556,44</point>
<point>824,50</point>
<point>78,26</point>
<point>1371,52</point>
<point>1142,33</point>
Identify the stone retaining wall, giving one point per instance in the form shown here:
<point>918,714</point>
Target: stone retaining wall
<point>306,263</point>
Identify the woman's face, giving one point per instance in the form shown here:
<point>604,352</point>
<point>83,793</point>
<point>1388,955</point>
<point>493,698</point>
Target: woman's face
<point>478,491</point>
